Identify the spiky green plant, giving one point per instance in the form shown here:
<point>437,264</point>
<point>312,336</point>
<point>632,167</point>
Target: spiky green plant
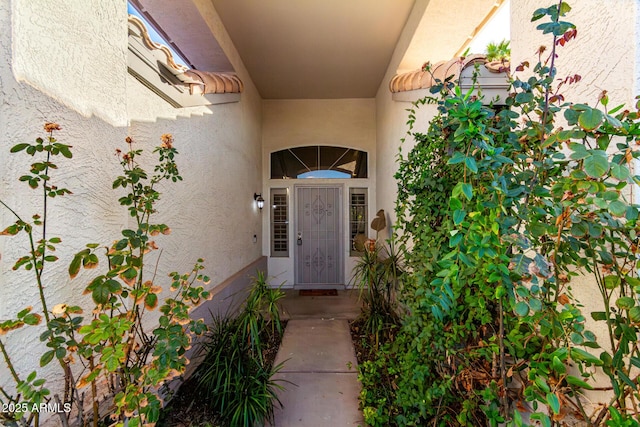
<point>235,376</point>
<point>499,51</point>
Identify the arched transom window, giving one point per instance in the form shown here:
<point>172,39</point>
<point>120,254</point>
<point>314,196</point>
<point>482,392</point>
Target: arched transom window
<point>318,161</point>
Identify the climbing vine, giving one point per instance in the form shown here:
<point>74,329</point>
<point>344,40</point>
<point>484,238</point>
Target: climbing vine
<point>504,211</point>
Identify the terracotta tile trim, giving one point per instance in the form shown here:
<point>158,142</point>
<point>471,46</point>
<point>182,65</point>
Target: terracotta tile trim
<point>199,82</point>
<point>420,79</point>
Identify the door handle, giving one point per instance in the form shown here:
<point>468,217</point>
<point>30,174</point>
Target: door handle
<point>299,239</point>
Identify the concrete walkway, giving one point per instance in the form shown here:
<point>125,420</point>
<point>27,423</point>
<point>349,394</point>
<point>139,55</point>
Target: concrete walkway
<point>319,359</point>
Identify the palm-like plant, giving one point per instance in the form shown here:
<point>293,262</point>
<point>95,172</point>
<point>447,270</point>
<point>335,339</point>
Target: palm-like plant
<point>376,276</point>
<point>499,51</point>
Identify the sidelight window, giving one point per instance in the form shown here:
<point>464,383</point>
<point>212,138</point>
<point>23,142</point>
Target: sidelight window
<point>279,223</point>
<point>358,220</point>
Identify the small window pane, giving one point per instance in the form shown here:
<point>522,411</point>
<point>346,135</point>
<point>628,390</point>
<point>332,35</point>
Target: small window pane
<point>358,220</point>
<point>279,223</point>
<point>325,174</point>
<point>155,36</point>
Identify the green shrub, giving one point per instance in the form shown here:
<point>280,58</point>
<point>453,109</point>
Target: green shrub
<point>234,375</point>
<point>498,209</point>
<point>377,375</point>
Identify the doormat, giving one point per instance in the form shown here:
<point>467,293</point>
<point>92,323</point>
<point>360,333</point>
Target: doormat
<point>318,292</point>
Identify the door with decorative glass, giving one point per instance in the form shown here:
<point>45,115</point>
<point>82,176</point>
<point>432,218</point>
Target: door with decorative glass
<point>318,235</point>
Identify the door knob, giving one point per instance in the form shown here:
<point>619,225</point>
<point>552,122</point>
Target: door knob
<point>299,239</point>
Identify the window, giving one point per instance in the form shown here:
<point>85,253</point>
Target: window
<point>318,162</point>
<point>357,220</point>
<point>155,36</point>
<point>279,222</point>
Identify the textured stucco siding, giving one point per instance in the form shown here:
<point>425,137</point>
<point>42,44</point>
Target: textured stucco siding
<point>211,212</point>
<point>392,116</point>
<point>604,53</point>
<point>341,122</point>
<point>65,62</point>
<point>72,51</point>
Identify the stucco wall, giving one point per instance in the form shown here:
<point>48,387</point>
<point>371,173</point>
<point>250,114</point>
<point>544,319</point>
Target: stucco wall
<point>65,62</point>
<point>604,52</point>
<point>392,128</point>
<point>341,122</point>
<point>292,123</point>
<point>72,43</point>
<point>212,212</point>
<point>392,116</point>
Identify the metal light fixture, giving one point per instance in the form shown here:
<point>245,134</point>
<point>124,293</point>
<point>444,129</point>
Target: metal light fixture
<point>259,200</point>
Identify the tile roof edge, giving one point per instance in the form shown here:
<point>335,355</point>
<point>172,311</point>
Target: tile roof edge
<point>199,82</point>
<point>441,71</point>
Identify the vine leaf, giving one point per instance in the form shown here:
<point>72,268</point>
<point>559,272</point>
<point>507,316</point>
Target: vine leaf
<point>522,309</point>
<point>578,382</point>
<point>470,162</point>
<point>458,216</point>
<point>553,402</point>
<point>625,303</point>
<point>558,366</point>
<point>578,354</point>
<point>596,165</point>
<point>626,379</point>
<point>74,267</point>
<point>46,358</point>
<point>579,151</point>
<point>611,282</point>
<point>598,315</point>
<point>18,147</point>
<point>617,208</point>
<point>467,190</point>
<point>620,172</point>
<point>590,119</point>
<point>634,314</point>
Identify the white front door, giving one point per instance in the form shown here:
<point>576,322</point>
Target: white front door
<point>319,236</point>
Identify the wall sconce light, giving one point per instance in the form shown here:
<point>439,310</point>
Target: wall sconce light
<point>259,200</point>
